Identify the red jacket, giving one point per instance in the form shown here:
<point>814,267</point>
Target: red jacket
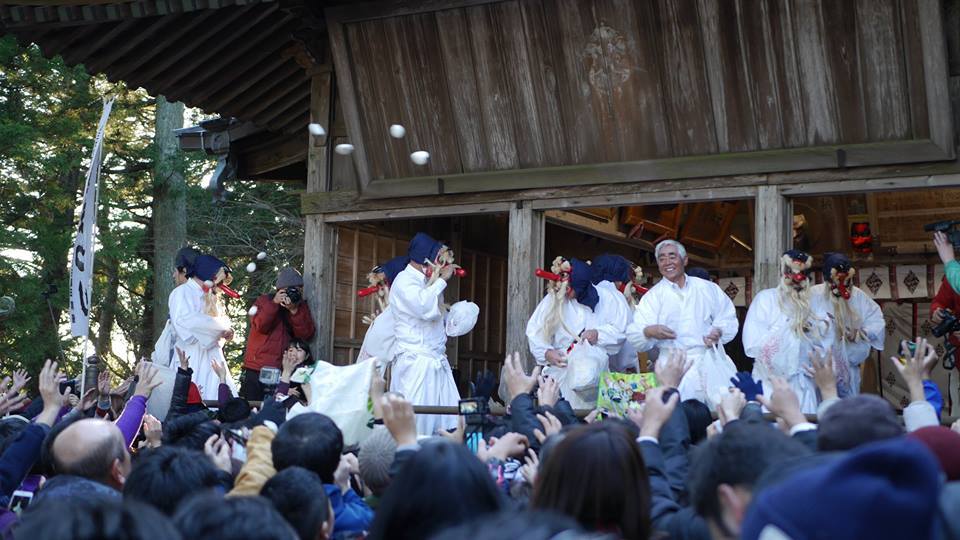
<point>947,298</point>
<point>270,330</point>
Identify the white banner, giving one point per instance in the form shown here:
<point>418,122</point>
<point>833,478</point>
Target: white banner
<point>81,271</point>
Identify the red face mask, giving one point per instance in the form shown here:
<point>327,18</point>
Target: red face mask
<point>840,286</point>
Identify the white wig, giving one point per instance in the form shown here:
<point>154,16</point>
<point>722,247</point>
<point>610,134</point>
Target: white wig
<point>680,249</point>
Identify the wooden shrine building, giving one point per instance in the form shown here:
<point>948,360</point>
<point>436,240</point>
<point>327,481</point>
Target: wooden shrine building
<point>557,127</point>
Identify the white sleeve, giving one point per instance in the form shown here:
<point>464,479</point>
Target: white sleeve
<point>194,327</point>
<point>919,414</point>
<point>535,340</point>
<point>612,320</point>
<point>643,316</point>
<point>757,325</point>
<point>874,324</point>
<point>725,317</point>
<point>420,302</point>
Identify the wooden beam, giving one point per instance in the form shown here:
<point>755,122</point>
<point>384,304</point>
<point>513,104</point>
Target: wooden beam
<point>365,11</point>
<point>523,293</point>
<point>934,72</point>
<point>191,25</point>
<point>872,184</point>
<point>418,211</point>
<point>145,32</point>
<point>655,197</point>
<point>764,161</point>
<point>320,238</point>
<point>285,151</point>
<point>772,236</point>
<point>254,85</point>
<point>348,97</point>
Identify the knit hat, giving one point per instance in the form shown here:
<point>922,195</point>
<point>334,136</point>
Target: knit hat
<point>884,490</point>
<point>375,458</point>
<point>857,420</point>
<point>945,445</point>
<point>423,248</point>
<point>610,267</point>
<point>580,275</point>
<point>186,258</point>
<point>289,277</point>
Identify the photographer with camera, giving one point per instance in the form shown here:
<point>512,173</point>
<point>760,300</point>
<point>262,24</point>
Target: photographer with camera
<point>276,319</point>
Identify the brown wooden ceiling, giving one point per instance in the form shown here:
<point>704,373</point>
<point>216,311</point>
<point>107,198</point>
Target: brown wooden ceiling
<point>228,57</point>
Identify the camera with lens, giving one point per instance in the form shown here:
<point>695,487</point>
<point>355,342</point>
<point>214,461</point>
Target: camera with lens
<point>293,293</point>
<point>947,325</point>
<point>947,227</point>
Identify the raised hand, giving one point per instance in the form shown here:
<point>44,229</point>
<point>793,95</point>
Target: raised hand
<point>152,430</point>
<point>531,464</point>
<point>149,379</point>
<point>184,359</point>
<point>783,402</point>
<point>219,369</point>
<point>551,425</point>
<point>731,404</point>
<point>670,370</point>
<point>218,450</point>
<point>656,412</point>
<point>548,394</point>
<point>88,400</point>
<point>510,445</point>
<point>50,394</point>
<point>944,247</point>
<point>103,383</point>
<point>822,373</point>
<point>349,465</point>
<point>20,380</point>
<point>743,380</point>
<point>518,382</point>
<point>556,358</point>
<point>399,419</point>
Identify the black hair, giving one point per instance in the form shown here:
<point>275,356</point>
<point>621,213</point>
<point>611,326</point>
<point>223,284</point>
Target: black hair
<point>95,518</point>
<point>443,485</point>
<point>234,410</point>
<point>299,496</point>
<point>698,419</point>
<point>231,518</point>
<point>162,476</point>
<point>312,441</point>
<point>190,430</point>
<point>597,476</point>
<point>530,525</point>
<point>10,429</point>
<point>736,457</point>
<point>185,259</point>
<point>308,360</point>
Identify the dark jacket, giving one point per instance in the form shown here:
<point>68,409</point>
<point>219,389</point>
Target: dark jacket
<point>271,329</point>
<point>19,458</point>
<point>523,416</point>
<point>351,514</point>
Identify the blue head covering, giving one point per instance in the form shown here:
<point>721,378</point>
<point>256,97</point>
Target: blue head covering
<point>609,267</point>
<point>835,260</point>
<point>207,266</point>
<point>423,247</point>
<point>393,267</point>
<point>698,272</point>
<point>580,275</point>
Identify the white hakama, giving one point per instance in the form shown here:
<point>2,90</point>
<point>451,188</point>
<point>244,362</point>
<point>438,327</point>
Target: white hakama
<point>849,355</point>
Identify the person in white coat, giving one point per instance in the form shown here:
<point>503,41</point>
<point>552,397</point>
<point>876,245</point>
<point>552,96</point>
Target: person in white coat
<point>575,329</point>
<point>856,324</point>
<point>692,314</point>
<point>200,322</point>
<point>164,353</point>
<point>421,371</point>
<point>380,340</point>
<point>781,331</point>
<point>616,274</point>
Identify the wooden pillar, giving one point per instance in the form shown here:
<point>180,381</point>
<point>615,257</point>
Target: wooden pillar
<point>523,290</point>
<point>773,236</point>
<point>320,239</point>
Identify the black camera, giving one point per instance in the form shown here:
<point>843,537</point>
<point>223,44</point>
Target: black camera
<point>71,384</point>
<point>948,227</point>
<point>947,325</point>
<point>474,410</point>
<point>293,293</point>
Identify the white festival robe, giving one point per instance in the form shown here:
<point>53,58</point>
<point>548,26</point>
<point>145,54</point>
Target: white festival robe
<point>198,335</point>
<point>690,312</point>
<point>853,353</point>
<point>608,318</point>
<point>626,357</point>
<point>380,341</point>
<point>421,371</point>
<point>769,338</point>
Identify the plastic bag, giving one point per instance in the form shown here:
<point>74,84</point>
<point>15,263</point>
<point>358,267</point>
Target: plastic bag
<point>461,318</point>
<point>585,363</point>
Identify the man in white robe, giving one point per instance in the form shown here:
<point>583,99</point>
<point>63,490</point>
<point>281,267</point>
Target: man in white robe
<point>615,274</point>
<point>421,371</point>
<point>380,340</point>
<point>201,325</point>
<point>856,324</point>
<point>163,351</point>
<point>780,331</point>
<point>575,329</point>
<point>689,313</point>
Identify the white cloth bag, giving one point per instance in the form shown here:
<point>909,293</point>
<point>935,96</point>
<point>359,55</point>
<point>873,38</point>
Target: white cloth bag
<point>341,393</point>
<point>709,377</point>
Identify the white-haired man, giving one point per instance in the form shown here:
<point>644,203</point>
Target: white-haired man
<point>688,313</point>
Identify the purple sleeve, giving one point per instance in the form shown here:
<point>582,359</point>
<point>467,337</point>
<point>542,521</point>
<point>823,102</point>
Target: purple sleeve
<point>283,388</point>
<point>224,394</point>
<point>131,418</point>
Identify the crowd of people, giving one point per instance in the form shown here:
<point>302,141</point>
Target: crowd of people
<point>699,458</point>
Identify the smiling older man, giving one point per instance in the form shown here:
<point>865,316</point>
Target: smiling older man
<point>688,313</point>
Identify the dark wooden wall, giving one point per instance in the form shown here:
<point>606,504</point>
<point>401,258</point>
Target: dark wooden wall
<point>538,83</point>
